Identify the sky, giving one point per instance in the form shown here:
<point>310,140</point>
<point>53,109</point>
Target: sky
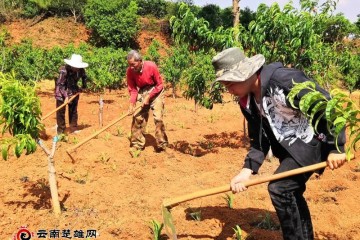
<point>350,8</point>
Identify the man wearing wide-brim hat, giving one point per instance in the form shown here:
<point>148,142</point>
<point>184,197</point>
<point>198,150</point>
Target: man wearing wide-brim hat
<point>272,122</point>
<point>67,86</point>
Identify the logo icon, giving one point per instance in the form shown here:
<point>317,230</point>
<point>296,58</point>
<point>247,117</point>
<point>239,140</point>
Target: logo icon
<point>23,234</point>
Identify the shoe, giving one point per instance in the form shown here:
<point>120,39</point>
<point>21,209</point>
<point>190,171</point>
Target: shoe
<point>60,131</point>
<point>162,147</point>
<point>74,129</point>
<point>135,152</point>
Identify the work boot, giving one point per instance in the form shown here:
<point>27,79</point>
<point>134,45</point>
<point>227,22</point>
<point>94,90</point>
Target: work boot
<point>162,147</point>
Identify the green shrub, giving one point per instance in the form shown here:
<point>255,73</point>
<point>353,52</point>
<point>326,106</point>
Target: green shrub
<point>107,68</point>
<point>157,8</point>
<point>152,53</point>
<point>114,22</point>
<point>27,61</point>
<point>174,64</point>
<point>199,77</point>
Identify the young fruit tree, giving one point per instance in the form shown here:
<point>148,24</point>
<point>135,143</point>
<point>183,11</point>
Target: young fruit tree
<point>20,120</point>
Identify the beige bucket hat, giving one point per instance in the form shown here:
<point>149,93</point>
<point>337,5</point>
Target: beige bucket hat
<point>233,66</point>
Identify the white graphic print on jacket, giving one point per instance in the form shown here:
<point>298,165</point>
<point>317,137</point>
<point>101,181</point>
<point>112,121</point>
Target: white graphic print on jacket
<point>285,122</point>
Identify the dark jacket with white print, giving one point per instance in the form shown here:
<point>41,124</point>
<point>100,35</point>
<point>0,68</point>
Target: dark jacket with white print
<point>282,127</point>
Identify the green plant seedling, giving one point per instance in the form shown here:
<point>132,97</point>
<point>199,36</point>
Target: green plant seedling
<point>212,118</point>
<point>82,179</point>
<point>210,145</point>
<point>42,184</point>
<point>63,138</point>
<point>156,229</point>
<point>113,167</point>
<point>135,153</point>
<point>120,132</point>
<point>238,232</point>
<point>267,223</point>
<point>195,214</point>
<point>229,198</point>
<point>75,140</point>
<point>357,168</point>
<point>71,171</point>
<point>107,136</point>
<point>104,158</point>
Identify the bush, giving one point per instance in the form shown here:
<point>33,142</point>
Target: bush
<point>199,77</point>
<point>157,8</point>
<point>27,62</point>
<point>174,64</point>
<point>107,68</point>
<point>114,22</point>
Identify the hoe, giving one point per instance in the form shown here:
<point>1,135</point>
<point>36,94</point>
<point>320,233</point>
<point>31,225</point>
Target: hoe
<point>71,149</point>
<point>169,203</point>
<point>61,106</point>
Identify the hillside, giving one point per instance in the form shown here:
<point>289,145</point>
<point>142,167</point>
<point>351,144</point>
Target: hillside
<point>63,31</point>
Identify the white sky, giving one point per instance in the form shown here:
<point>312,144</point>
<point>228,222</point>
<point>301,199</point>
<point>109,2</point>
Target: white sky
<point>350,8</point>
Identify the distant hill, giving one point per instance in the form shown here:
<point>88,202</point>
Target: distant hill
<point>54,31</point>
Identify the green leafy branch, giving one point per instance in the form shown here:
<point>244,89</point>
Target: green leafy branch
<point>20,116</point>
<point>187,28</point>
<point>339,111</point>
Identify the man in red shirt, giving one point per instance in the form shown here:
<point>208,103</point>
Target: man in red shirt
<point>145,86</point>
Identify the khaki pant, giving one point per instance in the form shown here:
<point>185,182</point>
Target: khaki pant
<point>140,119</point>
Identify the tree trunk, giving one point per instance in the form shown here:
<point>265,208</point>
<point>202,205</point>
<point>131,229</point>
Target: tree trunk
<point>173,90</point>
<point>73,11</point>
<point>52,181</point>
<point>52,175</point>
<point>236,12</point>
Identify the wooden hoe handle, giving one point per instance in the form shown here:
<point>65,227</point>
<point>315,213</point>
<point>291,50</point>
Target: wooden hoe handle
<point>71,149</point>
<point>61,106</point>
<point>212,191</point>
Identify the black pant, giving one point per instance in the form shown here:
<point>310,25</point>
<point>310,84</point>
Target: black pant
<point>72,112</point>
<point>290,204</point>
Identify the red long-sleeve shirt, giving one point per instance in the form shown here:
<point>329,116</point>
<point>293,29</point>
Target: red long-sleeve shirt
<point>149,76</point>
